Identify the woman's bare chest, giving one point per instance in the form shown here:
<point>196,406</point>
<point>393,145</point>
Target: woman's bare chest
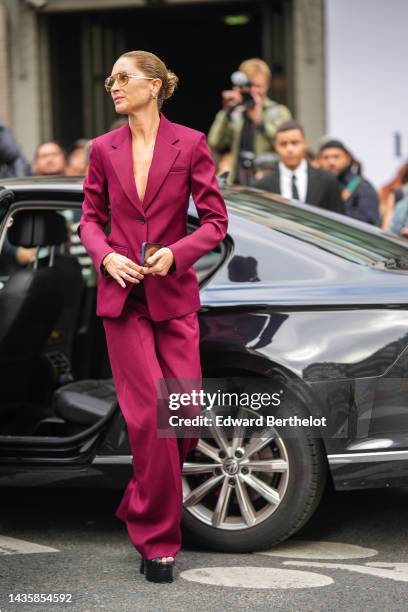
<point>142,160</point>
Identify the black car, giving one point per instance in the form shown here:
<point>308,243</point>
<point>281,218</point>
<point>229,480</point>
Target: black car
<point>300,300</point>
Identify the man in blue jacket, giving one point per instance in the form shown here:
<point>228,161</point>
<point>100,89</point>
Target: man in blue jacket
<point>359,196</point>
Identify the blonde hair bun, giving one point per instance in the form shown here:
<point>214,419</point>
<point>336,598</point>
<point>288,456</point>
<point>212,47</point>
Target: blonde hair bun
<point>170,85</point>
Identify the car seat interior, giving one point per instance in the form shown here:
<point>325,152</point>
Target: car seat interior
<point>47,321</point>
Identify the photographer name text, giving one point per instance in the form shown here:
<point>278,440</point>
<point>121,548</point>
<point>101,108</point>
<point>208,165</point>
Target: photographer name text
<point>230,421</point>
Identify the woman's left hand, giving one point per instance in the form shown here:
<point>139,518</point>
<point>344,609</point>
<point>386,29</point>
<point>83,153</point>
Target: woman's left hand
<point>160,262</point>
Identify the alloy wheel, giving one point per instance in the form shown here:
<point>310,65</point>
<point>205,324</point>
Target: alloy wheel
<point>236,482</point>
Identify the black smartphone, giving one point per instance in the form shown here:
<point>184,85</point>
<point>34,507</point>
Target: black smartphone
<point>148,249</point>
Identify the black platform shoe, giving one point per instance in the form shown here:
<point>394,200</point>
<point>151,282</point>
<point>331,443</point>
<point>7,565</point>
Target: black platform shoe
<point>156,570</point>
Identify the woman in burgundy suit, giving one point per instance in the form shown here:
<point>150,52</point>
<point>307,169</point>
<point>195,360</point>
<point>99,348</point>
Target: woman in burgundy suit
<point>140,178</point>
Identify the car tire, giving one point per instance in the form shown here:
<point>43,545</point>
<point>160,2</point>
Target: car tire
<point>305,486</point>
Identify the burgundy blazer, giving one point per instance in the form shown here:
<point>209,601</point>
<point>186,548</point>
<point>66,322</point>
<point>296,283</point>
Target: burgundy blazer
<point>181,165</point>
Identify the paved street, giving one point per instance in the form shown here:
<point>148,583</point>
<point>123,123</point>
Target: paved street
<point>353,555</point>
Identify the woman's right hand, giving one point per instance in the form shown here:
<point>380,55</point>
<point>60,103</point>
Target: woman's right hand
<point>122,268</point>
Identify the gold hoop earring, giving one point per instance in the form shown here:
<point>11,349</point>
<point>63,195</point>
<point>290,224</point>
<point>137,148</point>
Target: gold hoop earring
<point>153,95</point>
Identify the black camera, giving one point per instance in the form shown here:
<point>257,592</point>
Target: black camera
<point>239,79</point>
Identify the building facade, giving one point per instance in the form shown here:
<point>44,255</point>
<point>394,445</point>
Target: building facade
<point>57,53</point>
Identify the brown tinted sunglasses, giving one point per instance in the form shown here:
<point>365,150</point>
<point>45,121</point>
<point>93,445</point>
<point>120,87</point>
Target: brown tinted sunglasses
<point>122,78</point>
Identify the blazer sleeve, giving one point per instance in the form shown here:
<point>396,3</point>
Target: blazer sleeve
<point>211,209</point>
<point>95,213</point>
<point>273,116</point>
<point>220,135</point>
<point>366,199</point>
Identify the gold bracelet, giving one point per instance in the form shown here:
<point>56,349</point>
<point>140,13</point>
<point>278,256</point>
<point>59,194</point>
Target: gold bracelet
<point>108,258</point>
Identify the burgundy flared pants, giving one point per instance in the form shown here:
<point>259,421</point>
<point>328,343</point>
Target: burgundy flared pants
<point>141,352</point>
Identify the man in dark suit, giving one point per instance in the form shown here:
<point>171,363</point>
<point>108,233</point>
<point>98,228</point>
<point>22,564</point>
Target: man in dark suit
<point>294,177</point>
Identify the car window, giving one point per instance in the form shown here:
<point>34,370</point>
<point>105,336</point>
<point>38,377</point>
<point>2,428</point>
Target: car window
<point>76,248</point>
<point>367,246</point>
<point>15,257</point>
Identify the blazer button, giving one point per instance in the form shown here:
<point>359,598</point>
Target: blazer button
<point>142,221</point>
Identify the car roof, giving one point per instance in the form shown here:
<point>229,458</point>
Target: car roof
<point>235,194</point>
<point>238,197</point>
<point>44,183</point>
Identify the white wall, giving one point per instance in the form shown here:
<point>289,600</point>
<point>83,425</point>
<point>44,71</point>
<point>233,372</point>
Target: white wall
<point>367,80</point>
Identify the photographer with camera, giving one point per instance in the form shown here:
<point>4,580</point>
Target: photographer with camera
<point>246,125</point>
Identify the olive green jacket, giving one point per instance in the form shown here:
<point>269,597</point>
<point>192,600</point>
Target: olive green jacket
<point>225,132</point>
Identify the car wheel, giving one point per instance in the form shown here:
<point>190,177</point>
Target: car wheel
<point>244,493</point>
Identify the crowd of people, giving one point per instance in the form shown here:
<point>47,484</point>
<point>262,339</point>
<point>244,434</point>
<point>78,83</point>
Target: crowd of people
<point>49,159</point>
<point>256,142</point>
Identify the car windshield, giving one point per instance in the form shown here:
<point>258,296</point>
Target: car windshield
<point>367,246</point>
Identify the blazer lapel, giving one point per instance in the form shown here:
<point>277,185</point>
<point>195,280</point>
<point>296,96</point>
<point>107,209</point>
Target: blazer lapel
<point>164,156</point>
<point>122,162</point>
<point>311,185</point>
<point>276,180</point>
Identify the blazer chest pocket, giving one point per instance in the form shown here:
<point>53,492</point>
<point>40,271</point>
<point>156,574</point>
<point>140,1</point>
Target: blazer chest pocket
<point>177,169</point>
